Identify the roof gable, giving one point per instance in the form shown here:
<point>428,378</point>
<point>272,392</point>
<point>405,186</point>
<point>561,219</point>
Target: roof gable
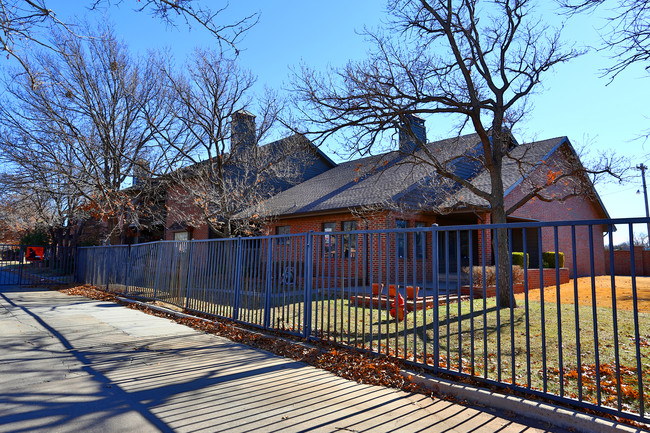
<point>313,163</point>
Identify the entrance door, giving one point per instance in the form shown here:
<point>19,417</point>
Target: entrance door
<point>454,250</point>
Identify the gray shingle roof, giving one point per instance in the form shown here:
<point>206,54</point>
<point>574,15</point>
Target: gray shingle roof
<point>394,177</point>
<point>521,161</point>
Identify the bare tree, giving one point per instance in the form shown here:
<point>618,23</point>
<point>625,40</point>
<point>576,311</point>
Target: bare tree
<point>15,218</point>
<point>193,13</point>
<point>27,22</point>
<point>78,124</point>
<point>216,142</point>
<point>475,62</point>
<point>626,30</point>
<point>39,199</point>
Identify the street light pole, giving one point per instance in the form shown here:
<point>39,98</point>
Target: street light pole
<point>643,168</point>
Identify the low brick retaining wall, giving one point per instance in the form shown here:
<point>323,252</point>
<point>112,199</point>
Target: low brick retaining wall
<point>533,283</point>
<point>549,277</point>
<point>385,302</point>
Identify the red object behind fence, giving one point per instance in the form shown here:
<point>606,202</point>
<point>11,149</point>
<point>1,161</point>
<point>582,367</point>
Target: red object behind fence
<point>34,254</point>
<point>398,311</point>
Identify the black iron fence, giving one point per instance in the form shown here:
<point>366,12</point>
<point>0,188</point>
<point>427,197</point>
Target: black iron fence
<point>29,264</point>
<point>547,322</point>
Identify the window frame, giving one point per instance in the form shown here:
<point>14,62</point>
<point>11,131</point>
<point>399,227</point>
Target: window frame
<point>401,239</point>
<point>349,240</point>
<point>329,241</point>
<point>187,237</point>
<point>420,238</point>
<point>283,240</point>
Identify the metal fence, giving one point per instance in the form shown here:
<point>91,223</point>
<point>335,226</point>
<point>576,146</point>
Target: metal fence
<point>28,264</point>
<point>427,295</point>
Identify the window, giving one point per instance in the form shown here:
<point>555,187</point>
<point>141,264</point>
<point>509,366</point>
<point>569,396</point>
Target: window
<point>401,239</point>
<point>329,241</point>
<point>420,241</point>
<point>349,241</point>
<point>283,230</point>
<point>182,236</point>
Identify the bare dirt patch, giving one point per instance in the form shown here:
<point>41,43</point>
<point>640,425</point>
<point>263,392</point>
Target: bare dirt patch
<point>603,292</point>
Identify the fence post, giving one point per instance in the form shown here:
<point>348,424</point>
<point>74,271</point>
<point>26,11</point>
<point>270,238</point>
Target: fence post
<point>107,265</point>
<point>92,269</point>
<point>238,272</point>
<point>269,276</point>
<point>436,296</point>
<point>188,281</point>
<point>309,257</point>
<point>22,264</point>
<point>72,263</point>
<point>158,264</point>
<point>75,269</point>
<point>128,270</point>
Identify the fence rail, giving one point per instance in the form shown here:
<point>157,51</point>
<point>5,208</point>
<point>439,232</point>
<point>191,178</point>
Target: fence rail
<point>427,295</point>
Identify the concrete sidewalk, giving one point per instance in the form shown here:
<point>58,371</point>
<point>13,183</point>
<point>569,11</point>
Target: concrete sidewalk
<point>68,364</point>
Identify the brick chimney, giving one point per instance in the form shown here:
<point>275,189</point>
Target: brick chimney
<point>242,132</point>
<point>407,143</point>
<point>140,172</point>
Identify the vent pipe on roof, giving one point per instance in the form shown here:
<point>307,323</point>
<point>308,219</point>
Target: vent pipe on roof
<point>242,132</point>
<point>410,141</point>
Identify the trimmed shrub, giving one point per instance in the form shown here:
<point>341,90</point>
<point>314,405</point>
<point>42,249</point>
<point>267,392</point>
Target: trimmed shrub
<point>548,259</point>
<point>491,275</point>
<point>518,259</point>
<point>517,274</point>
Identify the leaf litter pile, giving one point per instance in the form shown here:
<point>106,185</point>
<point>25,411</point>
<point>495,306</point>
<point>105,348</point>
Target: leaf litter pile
<point>362,367</point>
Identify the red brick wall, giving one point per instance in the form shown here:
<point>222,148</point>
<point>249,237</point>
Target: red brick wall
<point>574,208</point>
<point>549,277</point>
<point>623,262</point>
<point>487,257</point>
<point>182,215</point>
<point>383,265</point>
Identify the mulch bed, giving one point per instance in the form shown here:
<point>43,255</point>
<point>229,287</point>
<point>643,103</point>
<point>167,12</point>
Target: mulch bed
<point>603,289</point>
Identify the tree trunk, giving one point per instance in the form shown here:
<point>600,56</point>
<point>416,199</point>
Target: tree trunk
<point>502,259</point>
<point>76,231</point>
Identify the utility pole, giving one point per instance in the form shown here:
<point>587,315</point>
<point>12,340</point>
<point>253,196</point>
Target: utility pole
<point>643,168</point>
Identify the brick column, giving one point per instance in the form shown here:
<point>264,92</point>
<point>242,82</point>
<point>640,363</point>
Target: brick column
<point>487,240</point>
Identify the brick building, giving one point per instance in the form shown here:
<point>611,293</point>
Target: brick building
<point>397,190</point>
<point>184,221</point>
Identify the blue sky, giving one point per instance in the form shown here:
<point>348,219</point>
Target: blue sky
<point>573,101</point>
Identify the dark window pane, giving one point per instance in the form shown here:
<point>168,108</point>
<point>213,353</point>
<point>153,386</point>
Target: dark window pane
<point>420,241</point>
<point>283,230</point>
<point>401,238</point>
<point>349,241</point>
